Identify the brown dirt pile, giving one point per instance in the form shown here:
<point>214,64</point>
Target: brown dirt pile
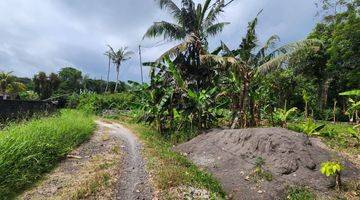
<point>289,159</point>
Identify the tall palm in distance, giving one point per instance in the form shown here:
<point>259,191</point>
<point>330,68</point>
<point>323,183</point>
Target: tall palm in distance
<point>117,58</point>
<point>108,55</point>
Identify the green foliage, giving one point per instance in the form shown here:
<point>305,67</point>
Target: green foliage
<point>330,168</point>
<point>171,169</point>
<point>311,128</point>
<point>71,79</point>
<point>30,149</point>
<point>9,86</point>
<point>45,85</point>
<point>281,116</point>
<point>96,103</point>
<point>29,96</point>
<point>299,193</point>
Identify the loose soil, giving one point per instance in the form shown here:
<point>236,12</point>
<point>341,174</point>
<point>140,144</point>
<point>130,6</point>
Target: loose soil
<point>108,166</point>
<point>288,159</point>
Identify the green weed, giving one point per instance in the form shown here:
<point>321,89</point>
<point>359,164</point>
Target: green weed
<point>30,149</point>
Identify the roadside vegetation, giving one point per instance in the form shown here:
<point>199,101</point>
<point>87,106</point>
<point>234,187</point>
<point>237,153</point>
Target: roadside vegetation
<point>309,86</point>
<point>30,149</point>
<point>173,174</point>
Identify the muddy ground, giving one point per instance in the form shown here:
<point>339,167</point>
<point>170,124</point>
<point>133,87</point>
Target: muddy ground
<point>262,163</point>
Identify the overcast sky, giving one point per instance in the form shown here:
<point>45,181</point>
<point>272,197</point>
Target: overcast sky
<point>46,35</point>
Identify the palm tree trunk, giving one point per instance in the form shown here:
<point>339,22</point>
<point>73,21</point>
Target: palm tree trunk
<point>117,77</point>
<point>108,77</point>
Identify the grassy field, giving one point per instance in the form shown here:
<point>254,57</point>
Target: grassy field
<point>28,150</point>
<point>171,170</point>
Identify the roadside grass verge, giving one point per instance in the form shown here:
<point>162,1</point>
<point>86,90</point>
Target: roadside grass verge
<point>170,170</point>
<point>28,150</point>
<point>337,136</point>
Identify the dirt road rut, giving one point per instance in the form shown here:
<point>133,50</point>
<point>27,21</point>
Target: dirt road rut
<point>133,182</point>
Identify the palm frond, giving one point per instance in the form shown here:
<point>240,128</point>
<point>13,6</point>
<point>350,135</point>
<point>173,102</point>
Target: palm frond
<point>177,49</point>
<point>276,58</point>
<point>223,60</point>
<point>168,30</point>
<point>213,13</point>
<point>171,6</point>
<point>216,28</point>
<point>270,43</point>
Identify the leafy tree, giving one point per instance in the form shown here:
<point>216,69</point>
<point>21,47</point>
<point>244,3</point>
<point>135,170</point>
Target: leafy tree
<point>71,80</point>
<point>117,58</point>
<point>9,86</point>
<point>45,86</point>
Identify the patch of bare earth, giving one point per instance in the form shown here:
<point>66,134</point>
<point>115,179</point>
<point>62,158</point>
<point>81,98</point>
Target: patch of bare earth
<point>89,172</point>
<point>261,163</point>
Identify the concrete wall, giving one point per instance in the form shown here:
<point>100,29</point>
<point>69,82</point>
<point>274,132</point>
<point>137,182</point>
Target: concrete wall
<point>14,109</point>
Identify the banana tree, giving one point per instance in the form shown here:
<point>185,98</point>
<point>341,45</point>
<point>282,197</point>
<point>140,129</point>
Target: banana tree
<point>353,110</point>
<point>250,61</point>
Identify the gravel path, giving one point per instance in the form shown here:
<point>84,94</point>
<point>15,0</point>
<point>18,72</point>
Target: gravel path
<point>133,182</point>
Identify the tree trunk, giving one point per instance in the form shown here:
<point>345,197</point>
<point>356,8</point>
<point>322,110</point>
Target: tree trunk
<point>108,77</point>
<point>243,102</point>
<point>117,77</point>
<point>324,93</point>
<point>334,112</point>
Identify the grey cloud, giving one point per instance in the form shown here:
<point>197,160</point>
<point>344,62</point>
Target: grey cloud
<point>47,35</point>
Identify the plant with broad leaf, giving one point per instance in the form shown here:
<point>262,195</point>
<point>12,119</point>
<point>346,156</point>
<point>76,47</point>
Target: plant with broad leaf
<point>281,116</point>
<point>310,128</point>
<point>332,169</point>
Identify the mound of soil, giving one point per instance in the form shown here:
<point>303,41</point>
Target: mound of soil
<point>288,159</point>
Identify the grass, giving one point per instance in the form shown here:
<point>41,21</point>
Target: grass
<point>336,136</point>
<point>299,193</point>
<point>170,169</point>
<point>28,150</point>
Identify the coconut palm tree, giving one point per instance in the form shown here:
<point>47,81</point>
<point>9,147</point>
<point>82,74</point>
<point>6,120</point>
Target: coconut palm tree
<point>193,24</point>
<point>249,61</point>
<point>9,86</point>
<point>117,58</point>
<point>108,55</point>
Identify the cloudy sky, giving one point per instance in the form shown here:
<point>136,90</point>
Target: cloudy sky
<point>46,35</point>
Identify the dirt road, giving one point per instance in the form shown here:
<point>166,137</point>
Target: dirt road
<point>133,181</point>
<point>108,166</point>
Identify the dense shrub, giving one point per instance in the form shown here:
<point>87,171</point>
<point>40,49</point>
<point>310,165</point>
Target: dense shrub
<point>30,149</point>
<point>96,103</point>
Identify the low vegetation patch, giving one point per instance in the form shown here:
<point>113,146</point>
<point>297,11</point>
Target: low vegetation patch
<point>29,150</point>
<point>338,136</point>
<point>170,170</point>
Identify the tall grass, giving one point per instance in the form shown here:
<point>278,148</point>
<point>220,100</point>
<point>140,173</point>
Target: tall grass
<point>30,149</point>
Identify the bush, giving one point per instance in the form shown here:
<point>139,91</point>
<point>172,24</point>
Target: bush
<point>30,149</point>
<point>96,103</point>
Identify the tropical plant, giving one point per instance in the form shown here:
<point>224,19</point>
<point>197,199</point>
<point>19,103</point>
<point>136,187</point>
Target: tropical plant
<point>117,58</point>
<point>193,25</point>
<point>108,55</point>
<point>310,128</point>
<point>332,169</point>
<point>9,86</point>
<point>247,64</point>
<point>354,100</point>
<point>45,85</point>
<point>281,116</point>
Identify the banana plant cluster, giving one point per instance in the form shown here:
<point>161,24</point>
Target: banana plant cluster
<point>173,105</point>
